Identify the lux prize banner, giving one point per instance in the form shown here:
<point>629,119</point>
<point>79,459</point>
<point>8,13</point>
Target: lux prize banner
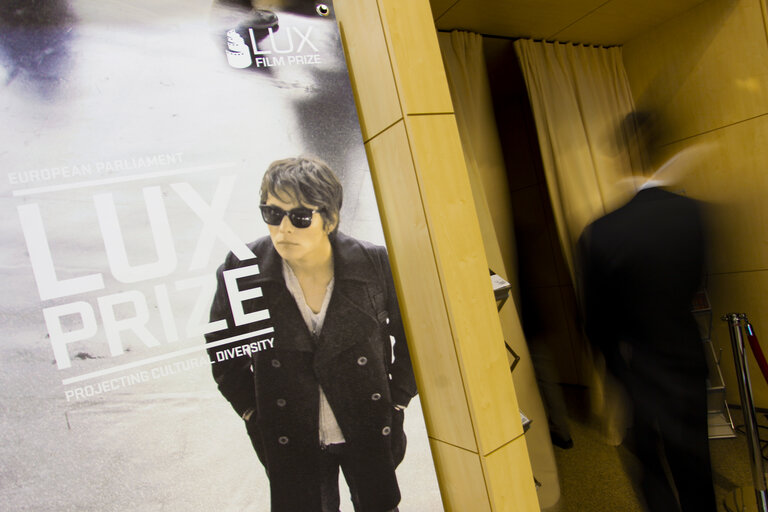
<point>135,135</point>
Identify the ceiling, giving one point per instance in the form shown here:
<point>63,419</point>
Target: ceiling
<point>598,22</point>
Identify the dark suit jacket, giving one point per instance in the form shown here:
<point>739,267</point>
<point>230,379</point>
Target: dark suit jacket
<point>640,267</point>
<point>351,359</point>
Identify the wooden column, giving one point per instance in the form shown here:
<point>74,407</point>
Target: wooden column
<point>437,255</point>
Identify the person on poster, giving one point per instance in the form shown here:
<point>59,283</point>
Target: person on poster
<point>330,391</point>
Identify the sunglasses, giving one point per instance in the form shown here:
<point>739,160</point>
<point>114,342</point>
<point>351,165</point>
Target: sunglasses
<point>299,217</point>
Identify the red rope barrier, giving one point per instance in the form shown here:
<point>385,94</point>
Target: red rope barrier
<point>761,362</point>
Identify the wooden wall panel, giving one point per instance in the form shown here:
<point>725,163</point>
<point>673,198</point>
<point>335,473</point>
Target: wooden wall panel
<point>614,21</point>
<point>437,257</point>
<point>504,16</point>
<point>462,480</point>
<point>445,404</point>
<point>416,57</point>
<point>371,75</point>
<point>508,484</point>
<point>703,70</point>
<point>463,268</point>
<point>730,175</point>
<point>706,74</point>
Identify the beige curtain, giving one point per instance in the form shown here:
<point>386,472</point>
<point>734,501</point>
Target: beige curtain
<point>580,96</point>
<point>468,80</point>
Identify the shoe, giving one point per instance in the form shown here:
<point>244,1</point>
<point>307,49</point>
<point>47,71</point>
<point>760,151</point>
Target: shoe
<point>560,441</point>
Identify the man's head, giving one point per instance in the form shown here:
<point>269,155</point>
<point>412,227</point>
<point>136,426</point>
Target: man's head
<point>645,127</point>
<point>308,181</point>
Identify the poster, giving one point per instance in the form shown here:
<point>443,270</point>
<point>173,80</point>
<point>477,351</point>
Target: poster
<point>135,135</point>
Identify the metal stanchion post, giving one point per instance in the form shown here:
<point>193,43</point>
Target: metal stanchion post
<point>748,408</point>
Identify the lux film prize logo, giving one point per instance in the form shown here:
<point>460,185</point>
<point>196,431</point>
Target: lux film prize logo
<point>286,48</point>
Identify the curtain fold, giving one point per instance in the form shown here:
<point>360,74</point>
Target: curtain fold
<point>471,95</point>
<point>470,91</point>
<point>580,97</point>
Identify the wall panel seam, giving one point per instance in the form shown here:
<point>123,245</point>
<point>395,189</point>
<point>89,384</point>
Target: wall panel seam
<point>454,4</point>
<point>416,114</point>
<point>504,445</point>
<point>717,128</point>
<point>462,448</point>
<point>383,130</point>
<point>392,69</point>
<point>734,272</point>
<point>553,37</point>
<point>764,10</point>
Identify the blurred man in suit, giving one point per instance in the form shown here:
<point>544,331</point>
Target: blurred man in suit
<point>640,267</point>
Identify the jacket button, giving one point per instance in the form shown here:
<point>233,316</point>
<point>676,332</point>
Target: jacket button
<point>376,396</point>
<point>362,360</point>
<point>282,440</point>
<point>275,363</point>
<point>281,402</point>
<point>385,431</point>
